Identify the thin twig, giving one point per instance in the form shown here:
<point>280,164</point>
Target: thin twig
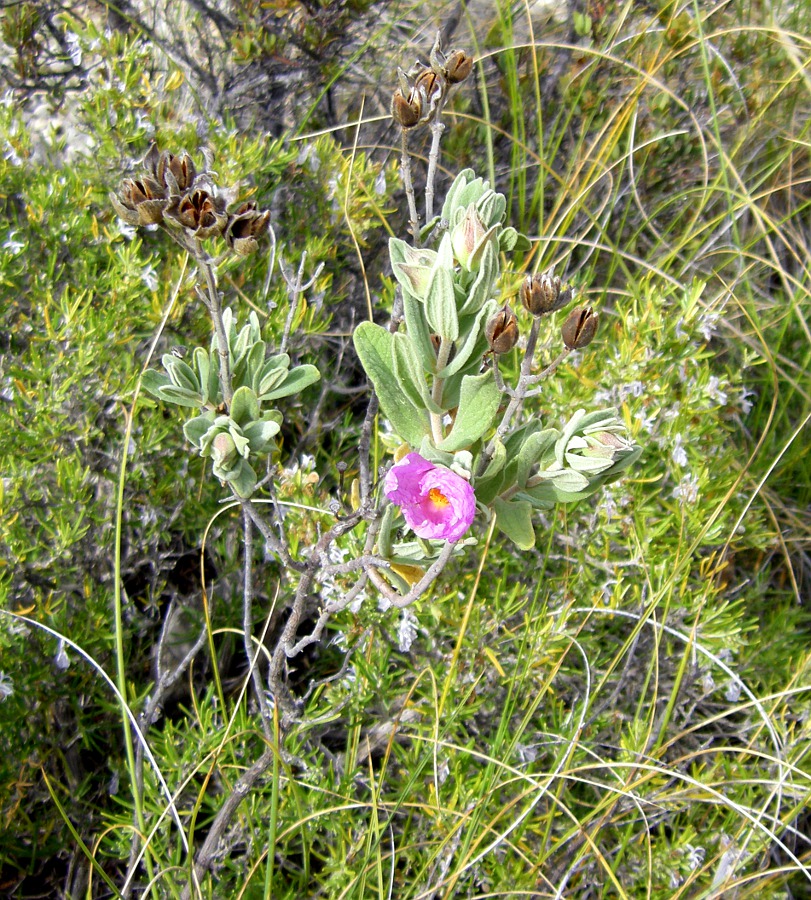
<point>226,812</point>
<point>402,600</point>
<point>433,159</point>
<point>295,288</point>
<point>542,376</point>
<point>247,623</point>
<point>408,183</point>
<point>271,538</point>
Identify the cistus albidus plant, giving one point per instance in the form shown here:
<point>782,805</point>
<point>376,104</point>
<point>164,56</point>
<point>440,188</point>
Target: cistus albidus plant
<point>464,449</point>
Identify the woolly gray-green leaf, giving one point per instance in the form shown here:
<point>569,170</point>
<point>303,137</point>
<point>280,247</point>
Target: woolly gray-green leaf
<point>153,381</point>
<point>180,396</point>
<point>514,518</point>
<point>440,301</point>
<point>479,399</point>
<point>297,379</point>
<point>409,371</point>
<point>195,429</point>
<point>244,406</point>
<point>374,346</point>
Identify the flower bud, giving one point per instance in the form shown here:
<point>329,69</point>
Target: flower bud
<point>579,329</point>
<point>224,451</point>
<point>501,330</point>
<point>541,294</point>
<point>458,66</point>
<point>467,238</point>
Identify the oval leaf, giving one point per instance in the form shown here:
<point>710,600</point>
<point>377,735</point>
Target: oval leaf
<point>374,346</point>
<point>479,399</point>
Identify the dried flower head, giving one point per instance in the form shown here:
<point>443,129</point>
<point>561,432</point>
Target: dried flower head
<point>245,227</point>
<point>140,201</point>
<point>541,294</point>
<point>579,328</point>
<point>417,98</point>
<point>501,330</point>
<point>407,112</point>
<point>453,67</point>
<point>200,212</point>
<point>437,504</point>
<point>458,66</point>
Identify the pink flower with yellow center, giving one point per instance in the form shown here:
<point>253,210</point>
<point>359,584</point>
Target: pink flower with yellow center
<point>437,504</point>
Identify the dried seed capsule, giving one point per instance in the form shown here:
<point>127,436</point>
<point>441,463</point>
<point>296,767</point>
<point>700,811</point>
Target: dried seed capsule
<point>406,111</point>
<point>178,172</point>
<point>245,228</point>
<point>501,330</point>
<point>458,66</point>
<point>541,294</point>
<point>199,211</point>
<point>140,202</point>
<point>579,328</point>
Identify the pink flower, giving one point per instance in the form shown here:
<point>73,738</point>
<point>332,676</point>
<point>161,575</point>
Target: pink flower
<point>437,504</point>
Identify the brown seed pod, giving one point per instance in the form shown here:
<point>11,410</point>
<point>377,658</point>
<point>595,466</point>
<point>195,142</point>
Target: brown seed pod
<point>579,328</point>
<point>501,330</point>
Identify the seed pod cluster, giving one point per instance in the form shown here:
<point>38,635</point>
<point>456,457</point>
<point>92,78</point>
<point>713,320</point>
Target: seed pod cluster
<point>170,191</point>
<point>423,87</point>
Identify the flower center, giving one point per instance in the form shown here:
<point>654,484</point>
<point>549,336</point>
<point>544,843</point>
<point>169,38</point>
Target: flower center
<point>438,498</point>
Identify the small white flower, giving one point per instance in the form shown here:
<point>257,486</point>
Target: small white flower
<point>714,391</point>
<point>74,48</point>
<point>383,604</point>
<point>15,627</point>
<point>406,630</point>
<point>340,640</point>
<point>11,155</point>
<point>686,491</point>
<point>127,232</point>
<point>679,453</point>
<point>443,770</point>
<point>745,404</point>
<point>149,277</point>
<point>14,246</point>
<point>527,753</point>
<point>707,325</point>
<point>632,389</point>
<point>695,856</point>
<point>646,423</point>
<point>61,660</point>
<point>680,333</point>
<point>607,591</point>
<point>380,183</point>
<point>6,686</point>
<point>733,691</point>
